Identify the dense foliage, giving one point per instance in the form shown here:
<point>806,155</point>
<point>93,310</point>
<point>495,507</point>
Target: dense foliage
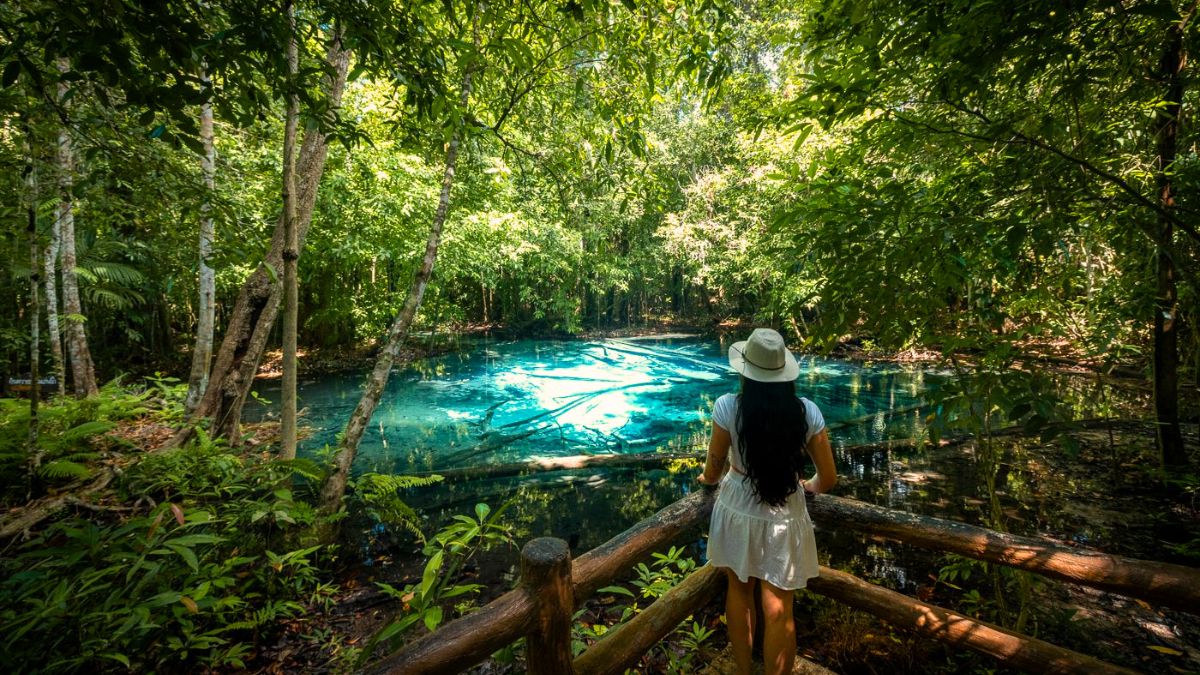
<point>989,180</point>
<point>834,173</point>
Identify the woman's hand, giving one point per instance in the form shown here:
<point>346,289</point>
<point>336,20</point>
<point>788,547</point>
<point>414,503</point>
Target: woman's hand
<point>703,480</point>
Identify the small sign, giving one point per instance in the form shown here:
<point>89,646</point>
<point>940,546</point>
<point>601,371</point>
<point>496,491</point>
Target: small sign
<point>24,384</point>
<point>17,381</point>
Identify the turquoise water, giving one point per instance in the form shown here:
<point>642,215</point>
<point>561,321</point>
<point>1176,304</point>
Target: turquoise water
<point>509,401</point>
<point>505,401</point>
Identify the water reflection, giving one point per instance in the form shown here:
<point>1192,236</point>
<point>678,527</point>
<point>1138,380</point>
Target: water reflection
<point>510,401</point>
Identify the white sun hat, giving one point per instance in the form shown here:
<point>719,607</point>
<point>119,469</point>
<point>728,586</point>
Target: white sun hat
<point>764,357</point>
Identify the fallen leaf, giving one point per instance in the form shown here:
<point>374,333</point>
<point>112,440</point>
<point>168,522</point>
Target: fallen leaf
<point>1166,650</point>
<point>178,511</point>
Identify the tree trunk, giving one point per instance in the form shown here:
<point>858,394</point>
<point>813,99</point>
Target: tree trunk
<point>35,260</point>
<point>291,252</point>
<point>257,303</point>
<point>77,346</point>
<point>1166,311</point>
<point>202,352</point>
<point>335,485</point>
<point>50,281</point>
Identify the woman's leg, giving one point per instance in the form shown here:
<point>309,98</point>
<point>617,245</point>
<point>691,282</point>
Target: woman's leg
<point>779,630</point>
<point>739,617</point>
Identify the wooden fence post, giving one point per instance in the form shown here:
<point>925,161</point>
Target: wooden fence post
<point>546,575</point>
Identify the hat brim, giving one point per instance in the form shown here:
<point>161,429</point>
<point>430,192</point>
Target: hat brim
<point>737,361</point>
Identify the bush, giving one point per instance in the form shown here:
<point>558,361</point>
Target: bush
<point>207,575</point>
<point>71,433</point>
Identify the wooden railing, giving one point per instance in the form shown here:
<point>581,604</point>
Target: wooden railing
<point>541,607</point>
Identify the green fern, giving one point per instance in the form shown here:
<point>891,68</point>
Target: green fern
<point>305,468</point>
<point>87,430</point>
<point>64,469</point>
<point>380,495</point>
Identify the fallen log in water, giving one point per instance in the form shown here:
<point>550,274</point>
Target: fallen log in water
<point>1166,584</point>
<point>642,460</point>
<point>663,354</point>
<point>1010,649</point>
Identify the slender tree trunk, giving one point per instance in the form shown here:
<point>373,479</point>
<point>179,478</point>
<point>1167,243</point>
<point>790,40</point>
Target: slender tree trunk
<point>1166,311</point>
<point>50,272</point>
<point>202,352</point>
<point>257,303</point>
<point>335,486</point>
<point>35,261</point>
<point>77,345</point>
<point>291,253</point>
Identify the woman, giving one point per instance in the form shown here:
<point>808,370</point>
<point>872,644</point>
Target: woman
<point>760,531</point>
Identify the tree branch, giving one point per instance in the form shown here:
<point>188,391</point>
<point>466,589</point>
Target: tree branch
<point>1017,136</point>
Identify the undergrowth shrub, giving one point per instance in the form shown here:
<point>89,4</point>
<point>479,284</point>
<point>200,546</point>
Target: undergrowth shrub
<point>71,433</point>
<point>208,574</point>
<point>426,603</point>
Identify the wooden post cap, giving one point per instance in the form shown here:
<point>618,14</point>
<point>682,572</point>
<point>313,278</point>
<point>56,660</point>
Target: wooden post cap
<point>545,552</point>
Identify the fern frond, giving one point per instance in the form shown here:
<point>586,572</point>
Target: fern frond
<point>79,457</point>
<point>117,273</point>
<point>86,430</point>
<point>380,493</point>
<point>305,468</point>
<point>60,469</point>
<point>380,483</point>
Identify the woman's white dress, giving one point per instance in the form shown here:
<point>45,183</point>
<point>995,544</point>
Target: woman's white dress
<point>754,539</point>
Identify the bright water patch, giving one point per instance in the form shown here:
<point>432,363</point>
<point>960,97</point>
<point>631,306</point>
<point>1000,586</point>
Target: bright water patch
<point>510,401</point>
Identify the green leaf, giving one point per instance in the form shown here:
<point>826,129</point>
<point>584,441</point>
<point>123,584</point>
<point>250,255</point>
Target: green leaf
<point>188,555</point>
<point>620,590</point>
<point>433,617</point>
<point>431,571</point>
<point>119,658</point>
<point>461,589</point>
<point>1166,650</point>
<point>194,539</point>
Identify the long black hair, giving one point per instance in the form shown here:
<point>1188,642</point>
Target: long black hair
<point>772,431</point>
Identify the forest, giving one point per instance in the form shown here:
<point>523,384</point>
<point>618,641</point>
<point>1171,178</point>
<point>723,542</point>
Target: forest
<point>316,312</point>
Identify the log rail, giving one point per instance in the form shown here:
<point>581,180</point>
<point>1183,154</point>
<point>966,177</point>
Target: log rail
<point>552,585</point>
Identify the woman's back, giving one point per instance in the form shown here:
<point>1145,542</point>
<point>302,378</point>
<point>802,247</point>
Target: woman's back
<point>725,411</point>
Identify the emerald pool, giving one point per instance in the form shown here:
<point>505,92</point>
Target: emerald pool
<point>506,401</point>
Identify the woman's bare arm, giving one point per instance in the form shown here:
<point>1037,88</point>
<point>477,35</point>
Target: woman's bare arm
<point>718,452</point>
<point>822,455</point>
